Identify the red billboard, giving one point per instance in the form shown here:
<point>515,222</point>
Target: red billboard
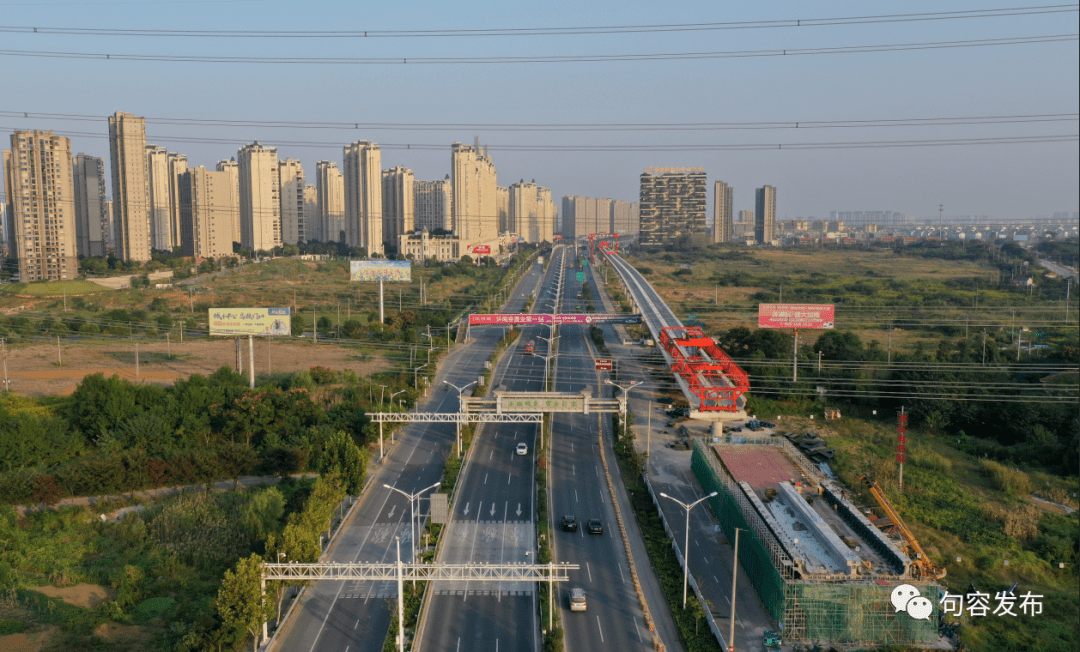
<point>602,364</point>
<point>796,315</point>
<point>480,249</point>
<point>528,320</point>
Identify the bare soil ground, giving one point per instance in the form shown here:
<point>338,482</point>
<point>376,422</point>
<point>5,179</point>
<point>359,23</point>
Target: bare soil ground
<point>86,596</point>
<point>117,633</point>
<point>26,641</point>
<point>35,371</point>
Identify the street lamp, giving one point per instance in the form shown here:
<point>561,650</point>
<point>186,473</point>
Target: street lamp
<point>547,359</point>
<point>625,396</point>
<point>686,545</point>
<point>415,381</point>
<point>381,394</point>
<point>413,498</point>
<point>734,577</point>
<point>457,424</point>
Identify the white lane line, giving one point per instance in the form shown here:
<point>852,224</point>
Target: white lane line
<point>459,644</point>
<point>715,579</point>
<point>589,569</point>
<point>508,476</point>
<point>492,454</point>
<point>637,628</point>
<point>573,469</point>
<point>357,623</point>
<point>728,599</point>
<point>485,477</point>
<point>600,629</point>
<point>576,497</point>
<point>621,576</point>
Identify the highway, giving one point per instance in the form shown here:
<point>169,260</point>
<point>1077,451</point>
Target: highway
<point>493,517</point>
<point>614,619</point>
<point>355,616</point>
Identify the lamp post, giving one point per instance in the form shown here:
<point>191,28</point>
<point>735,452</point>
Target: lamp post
<point>625,397</point>
<point>686,545</point>
<point>416,371</point>
<point>413,499</point>
<point>457,424</point>
<point>381,395</point>
<point>547,358</point>
<point>734,577</point>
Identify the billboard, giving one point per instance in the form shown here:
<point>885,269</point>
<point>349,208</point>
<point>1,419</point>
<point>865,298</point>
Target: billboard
<point>527,320</point>
<point>230,322</point>
<point>796,315</point>
<point>480,249</point>
<point>373,271</point>
<point>603,364</point>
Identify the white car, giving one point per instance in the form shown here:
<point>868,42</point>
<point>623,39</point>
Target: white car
<point>577,600</point>
<point>522,449</point>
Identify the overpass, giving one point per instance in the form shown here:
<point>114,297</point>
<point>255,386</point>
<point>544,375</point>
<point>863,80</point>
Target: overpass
<point>713,384</point>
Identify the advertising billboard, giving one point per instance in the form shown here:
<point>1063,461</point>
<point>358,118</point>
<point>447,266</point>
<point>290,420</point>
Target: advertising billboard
<point>796,315</point>
<point>373,271</point>
<point>229,322</point>
<point>603,364</point>
<point>480,249</point>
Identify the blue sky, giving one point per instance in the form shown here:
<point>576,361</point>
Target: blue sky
<point>1006,181</point>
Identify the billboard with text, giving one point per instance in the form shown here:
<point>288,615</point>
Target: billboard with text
<point>373,271</point>
<point>796,315</point>
<point>480,249</point>
<point>230,322</point>
<point>527,320</point>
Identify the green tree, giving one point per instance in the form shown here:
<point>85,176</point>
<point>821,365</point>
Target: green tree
<point>261,514</point>
<point>236,460</point>
<point>343,457</point>
<point>240,601</point>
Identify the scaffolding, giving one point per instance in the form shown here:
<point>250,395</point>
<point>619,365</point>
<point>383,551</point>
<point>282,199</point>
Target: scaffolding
<point>856,612</point>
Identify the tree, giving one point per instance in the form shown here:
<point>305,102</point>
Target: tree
<point>343,457</point>
<point>240,601</point>
<point>237,459</point>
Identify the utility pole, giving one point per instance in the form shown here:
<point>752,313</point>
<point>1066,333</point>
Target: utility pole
<point>60,361</point>
<point>251,361</point>
<point>734,582</point>
<point>136,359</point>
<point>984,348</point>
<point>890,345</point>
<point>941,222</point>
<point>795,354</point>
<point>7,383</point>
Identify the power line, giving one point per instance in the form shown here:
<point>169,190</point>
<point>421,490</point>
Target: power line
<point>573,127</point>
<point>567,58</point>
<point>1007,12</point>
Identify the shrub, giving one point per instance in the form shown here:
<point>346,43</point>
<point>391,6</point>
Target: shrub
<point>1011,481</point>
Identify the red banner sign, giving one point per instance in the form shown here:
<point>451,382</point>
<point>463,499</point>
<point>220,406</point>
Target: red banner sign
<point>796,315</point>
<point>603,364</point>
<point>480,249</point>
<point>513,319</point>
<point>508,320</point>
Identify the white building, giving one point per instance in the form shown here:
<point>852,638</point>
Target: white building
<point>260,197</point>
<point>363,197</point>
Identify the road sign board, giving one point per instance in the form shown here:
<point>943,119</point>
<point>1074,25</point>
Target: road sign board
<point>581,276</point>
<point>603,364</point>
<point>796,315</point>
<point>440,509</point>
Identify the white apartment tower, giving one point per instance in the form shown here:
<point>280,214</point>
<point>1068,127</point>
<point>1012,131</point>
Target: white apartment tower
<point>178,165</point>
<point>330,186</point>
<point>157,179</point>
<point>502,203</point>
<point>91,210</point>
<point>293,222</point>
<point>722,212</point>
<point>40,211</point>
<point>765,215</point>
<point>431,204</point>
<point>312,223</point>
<point>233,169</point>
<point>474,208</point>
<point>399,217</point>
<point>532,213</point>
<point>363,197</point>
<point>206,213</point>
<point>131,192</point>
<point>260,197</point>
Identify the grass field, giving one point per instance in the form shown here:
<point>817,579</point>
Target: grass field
<point>53,288</point>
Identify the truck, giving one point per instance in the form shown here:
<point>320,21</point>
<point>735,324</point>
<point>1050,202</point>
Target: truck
<point>530,347</point>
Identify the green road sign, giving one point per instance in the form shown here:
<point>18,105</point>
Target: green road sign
<point>581,276</point>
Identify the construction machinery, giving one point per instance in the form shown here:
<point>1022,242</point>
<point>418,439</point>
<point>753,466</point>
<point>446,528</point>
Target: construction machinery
<point>921,568</point>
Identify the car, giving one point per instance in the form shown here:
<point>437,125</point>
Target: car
<point>577,600</point>
<point>522,448</point>
<point>569,523</point>
<point>667,400</point>
<point>595,526</point>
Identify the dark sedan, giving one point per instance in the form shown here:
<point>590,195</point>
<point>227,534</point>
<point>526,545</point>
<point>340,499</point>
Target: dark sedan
<point>595,526</point>
<point>569,523</point>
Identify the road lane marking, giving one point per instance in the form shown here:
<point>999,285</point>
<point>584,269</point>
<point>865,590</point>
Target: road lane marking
<point>589,569</point>
<point>486,475</point>
<point>508,476</point>
<point>600,629</point>
<point>621,576</point>
<point>576,497</point>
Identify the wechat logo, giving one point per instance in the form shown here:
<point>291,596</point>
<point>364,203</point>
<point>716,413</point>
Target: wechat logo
<point>906,598</point>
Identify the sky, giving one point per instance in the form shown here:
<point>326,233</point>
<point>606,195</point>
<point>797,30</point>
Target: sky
<point>1006,181</point>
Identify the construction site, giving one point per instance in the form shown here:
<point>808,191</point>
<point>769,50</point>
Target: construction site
<point>824,571</point>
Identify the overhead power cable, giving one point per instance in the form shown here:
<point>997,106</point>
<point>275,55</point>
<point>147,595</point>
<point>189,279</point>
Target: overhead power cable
<point>572,127</point>
<point>688,147</point>
<point>1007,12</point>
<point>554,58</point>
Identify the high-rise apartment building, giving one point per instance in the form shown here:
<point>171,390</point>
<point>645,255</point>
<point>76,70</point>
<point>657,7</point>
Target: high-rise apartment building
<point>620,216</point>
<point>92,221</point>
<point>672,206</point>
<point>474,203</point>
<point>312,221</point>
<point>363,197</point>
<point>293,222</point>
<point>161,210</point>
<point>131,191</point>
<point>543,228</point>
<point>722,207</point>
<point>206,213</point>
<point>765,215</point>
<point>399,217</point>
<point>431,204</point>
<point>502,204</point>
<point>330,187</point>
<point>602,221</point>
<point>260,197</point>
<point>574,213</point>
<point>40,210</point>
<point>233,169</point>
<point>746,217</point>
<point>532,213</point>
<point>178,165</point>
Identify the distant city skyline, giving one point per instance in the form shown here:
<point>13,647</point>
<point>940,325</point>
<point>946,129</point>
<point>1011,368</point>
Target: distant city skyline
<point>409,106</point>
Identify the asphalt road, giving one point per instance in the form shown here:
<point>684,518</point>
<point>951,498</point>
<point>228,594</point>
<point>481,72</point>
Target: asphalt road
<point>614,619</point>
<point>494,520</point>
<point>354,616</point>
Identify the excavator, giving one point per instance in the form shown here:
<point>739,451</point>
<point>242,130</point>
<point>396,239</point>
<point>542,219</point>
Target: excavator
<point>921,568</point>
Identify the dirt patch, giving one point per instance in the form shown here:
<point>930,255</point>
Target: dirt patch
<point>26,641</point>
<point>40,370</point>
<point>115,632</point>
<point>86,596</point>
